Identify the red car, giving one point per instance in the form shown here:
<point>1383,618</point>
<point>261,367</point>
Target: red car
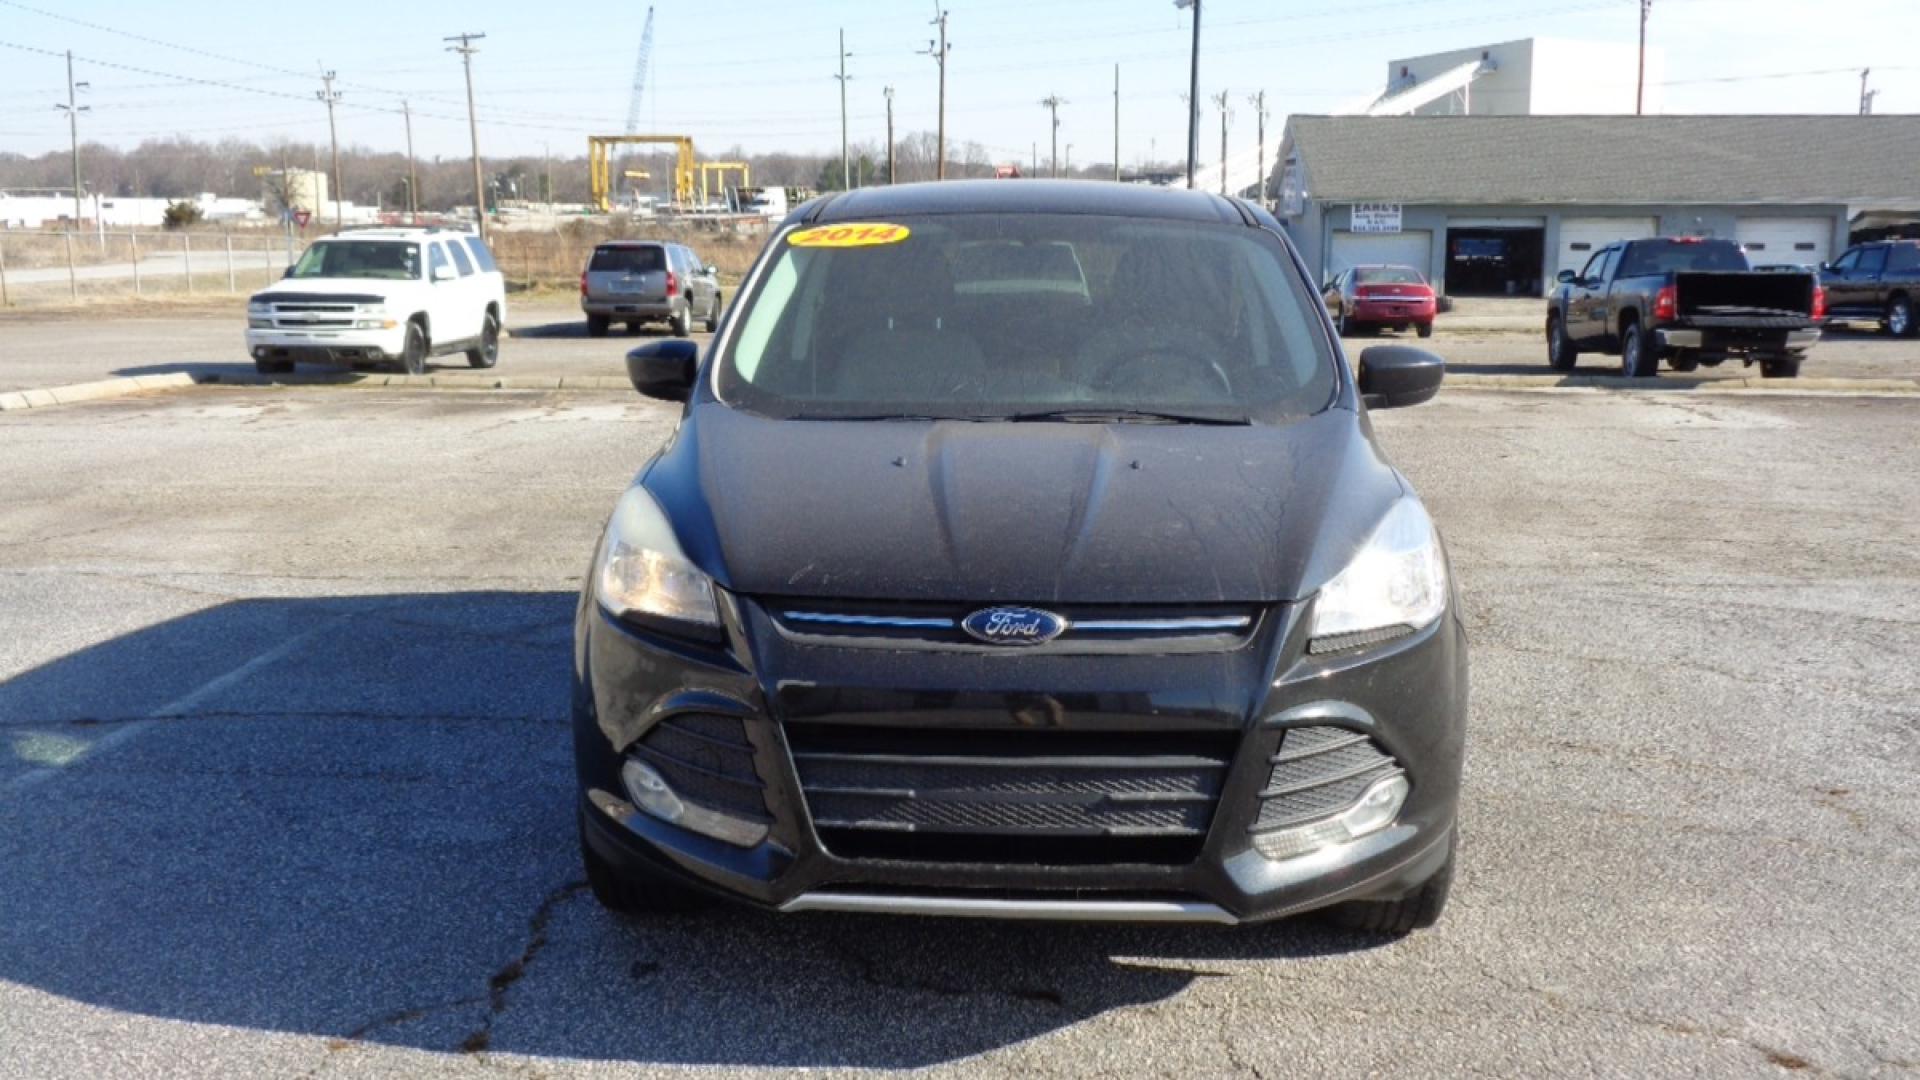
<point>1370,297</point>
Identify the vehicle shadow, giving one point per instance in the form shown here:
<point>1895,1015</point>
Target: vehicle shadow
<point>577,328</point>
<point>352,818</point>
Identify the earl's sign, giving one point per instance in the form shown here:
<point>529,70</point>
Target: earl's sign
<point>1376,217</point>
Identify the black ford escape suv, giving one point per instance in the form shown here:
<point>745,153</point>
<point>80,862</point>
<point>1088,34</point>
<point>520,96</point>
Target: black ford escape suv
<point>965,597</point>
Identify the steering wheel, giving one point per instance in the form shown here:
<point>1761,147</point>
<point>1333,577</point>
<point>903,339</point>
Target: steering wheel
<point>1146,359</point>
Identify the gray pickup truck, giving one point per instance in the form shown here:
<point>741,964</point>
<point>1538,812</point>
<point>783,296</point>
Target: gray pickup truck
<point>1691,301</point>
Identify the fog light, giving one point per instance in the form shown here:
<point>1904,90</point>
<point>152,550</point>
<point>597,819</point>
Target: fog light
<point>650,792</point>
<point>1375,810</point>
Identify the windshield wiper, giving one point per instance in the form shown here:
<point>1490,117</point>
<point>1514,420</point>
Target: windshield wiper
<point>1124,416</point>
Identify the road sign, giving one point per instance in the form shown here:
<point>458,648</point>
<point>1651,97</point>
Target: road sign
<point>301,217</point>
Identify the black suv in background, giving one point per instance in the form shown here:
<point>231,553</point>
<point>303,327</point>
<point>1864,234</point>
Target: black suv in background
<point>1877,282</point>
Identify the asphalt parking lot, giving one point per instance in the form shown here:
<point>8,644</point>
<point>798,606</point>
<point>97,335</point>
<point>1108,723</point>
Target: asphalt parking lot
<point>549,338</point>
<point>285,785</point>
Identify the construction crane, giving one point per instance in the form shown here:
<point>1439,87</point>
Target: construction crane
<point>640,76</point>
<point>600,172</point>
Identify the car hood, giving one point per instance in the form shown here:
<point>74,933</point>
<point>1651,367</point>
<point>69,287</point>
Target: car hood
<point>359,290</point>
<point>1021,512</point>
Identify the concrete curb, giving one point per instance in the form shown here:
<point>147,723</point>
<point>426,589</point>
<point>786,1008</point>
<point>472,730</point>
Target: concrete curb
<point>104,389</point>
<point>1681,384</point>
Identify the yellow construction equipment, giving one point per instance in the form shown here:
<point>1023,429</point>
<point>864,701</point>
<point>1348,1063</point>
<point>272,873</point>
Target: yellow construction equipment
<point>719,171</point>
<point>600,182</point>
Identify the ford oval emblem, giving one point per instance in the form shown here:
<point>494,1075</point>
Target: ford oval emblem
<point>1014,625</point>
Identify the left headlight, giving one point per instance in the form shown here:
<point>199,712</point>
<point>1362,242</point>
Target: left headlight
<point>1396,584</point>
<point>644,575</point>
<point>259,307</point>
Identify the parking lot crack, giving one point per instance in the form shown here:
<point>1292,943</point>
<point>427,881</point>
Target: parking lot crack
<point>515,969</point>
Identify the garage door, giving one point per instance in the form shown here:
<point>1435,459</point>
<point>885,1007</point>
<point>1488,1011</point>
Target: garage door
<point>1580,237</point>
<point>1784,240</point>
<point>1413,248</point>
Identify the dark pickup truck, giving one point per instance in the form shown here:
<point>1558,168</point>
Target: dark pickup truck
<point>1690,300</point>
<point>1877,282</point>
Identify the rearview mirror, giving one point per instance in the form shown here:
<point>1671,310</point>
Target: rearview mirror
<point>664,369</point>
<point>1394,376</point>
<point>1567,277</point>
<point>712,271</point>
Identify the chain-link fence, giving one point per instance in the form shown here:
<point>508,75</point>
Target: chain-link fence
<point>80,267</point>
<point>40,268</point>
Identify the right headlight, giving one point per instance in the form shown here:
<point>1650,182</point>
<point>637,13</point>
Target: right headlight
<point>644,575</point>
<point>1395,584</point>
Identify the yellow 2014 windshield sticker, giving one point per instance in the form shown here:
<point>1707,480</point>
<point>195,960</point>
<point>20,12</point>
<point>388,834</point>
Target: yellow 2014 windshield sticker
<point>852,234</point>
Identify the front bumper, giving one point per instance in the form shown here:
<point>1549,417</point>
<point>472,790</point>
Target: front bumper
<point>1409,695</point>
<point>327,346</point>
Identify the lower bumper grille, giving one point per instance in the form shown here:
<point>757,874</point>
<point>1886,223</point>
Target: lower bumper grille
<point>1319,772</point>
<point>708,761</point>
<point>1010,796</point>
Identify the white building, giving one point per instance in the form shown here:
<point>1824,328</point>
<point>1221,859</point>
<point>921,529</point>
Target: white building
<point>1530,77</point>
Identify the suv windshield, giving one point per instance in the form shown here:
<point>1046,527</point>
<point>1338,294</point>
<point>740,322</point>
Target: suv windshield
<point>359,259</point>
<point>630,260</point>
<point>981,316</point>
<point>1648,257</point>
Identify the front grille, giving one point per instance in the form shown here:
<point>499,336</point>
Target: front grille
<point>707,760</point>
<point>1318,772</point>
<point>1015,796</point>
<point>1086,628</point>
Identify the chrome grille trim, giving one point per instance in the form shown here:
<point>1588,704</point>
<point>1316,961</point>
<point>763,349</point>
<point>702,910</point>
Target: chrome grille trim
<point>893,621</point>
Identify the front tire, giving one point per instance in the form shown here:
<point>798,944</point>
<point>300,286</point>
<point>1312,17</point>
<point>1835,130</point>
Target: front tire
<point>682,321</point>
<point>597,325</point>
<point>636,894</point>
<point>273,367</point>
<point>487,353</point>
<point>1561,355</point>
<point>1417,910</point>
<point>1637,359</point>
<point>1899,321</point>
<point>413,357</point>
<point>713,314</point>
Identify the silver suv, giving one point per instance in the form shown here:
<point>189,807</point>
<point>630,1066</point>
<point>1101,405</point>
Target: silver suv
<point>636,281</point>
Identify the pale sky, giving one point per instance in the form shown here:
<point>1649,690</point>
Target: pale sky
<point>758,72</point>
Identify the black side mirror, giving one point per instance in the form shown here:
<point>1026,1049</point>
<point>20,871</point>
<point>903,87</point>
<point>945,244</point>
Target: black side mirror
<point>287,273</point>
<point>1392,376</point>
<point>1567,277</point>
<point>664,369</point>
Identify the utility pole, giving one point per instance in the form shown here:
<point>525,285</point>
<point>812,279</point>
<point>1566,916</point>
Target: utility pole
<point>1053,103</point>
<point>73,109</point>
<point>1640,87</point>
<point>1866,95</point>
<point>846,181</point>
<point>1220,99</point>
<point>330,97</point>
<point>466,51</point>
<point>1259,103</point>
<point>1116,123</point>
<point>1193,91</point>
<point>938,50</point>
<point>413,175</point>
<point>890,176</point>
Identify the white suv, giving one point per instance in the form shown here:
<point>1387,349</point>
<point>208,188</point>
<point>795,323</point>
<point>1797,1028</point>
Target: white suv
<point>372,295</point>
